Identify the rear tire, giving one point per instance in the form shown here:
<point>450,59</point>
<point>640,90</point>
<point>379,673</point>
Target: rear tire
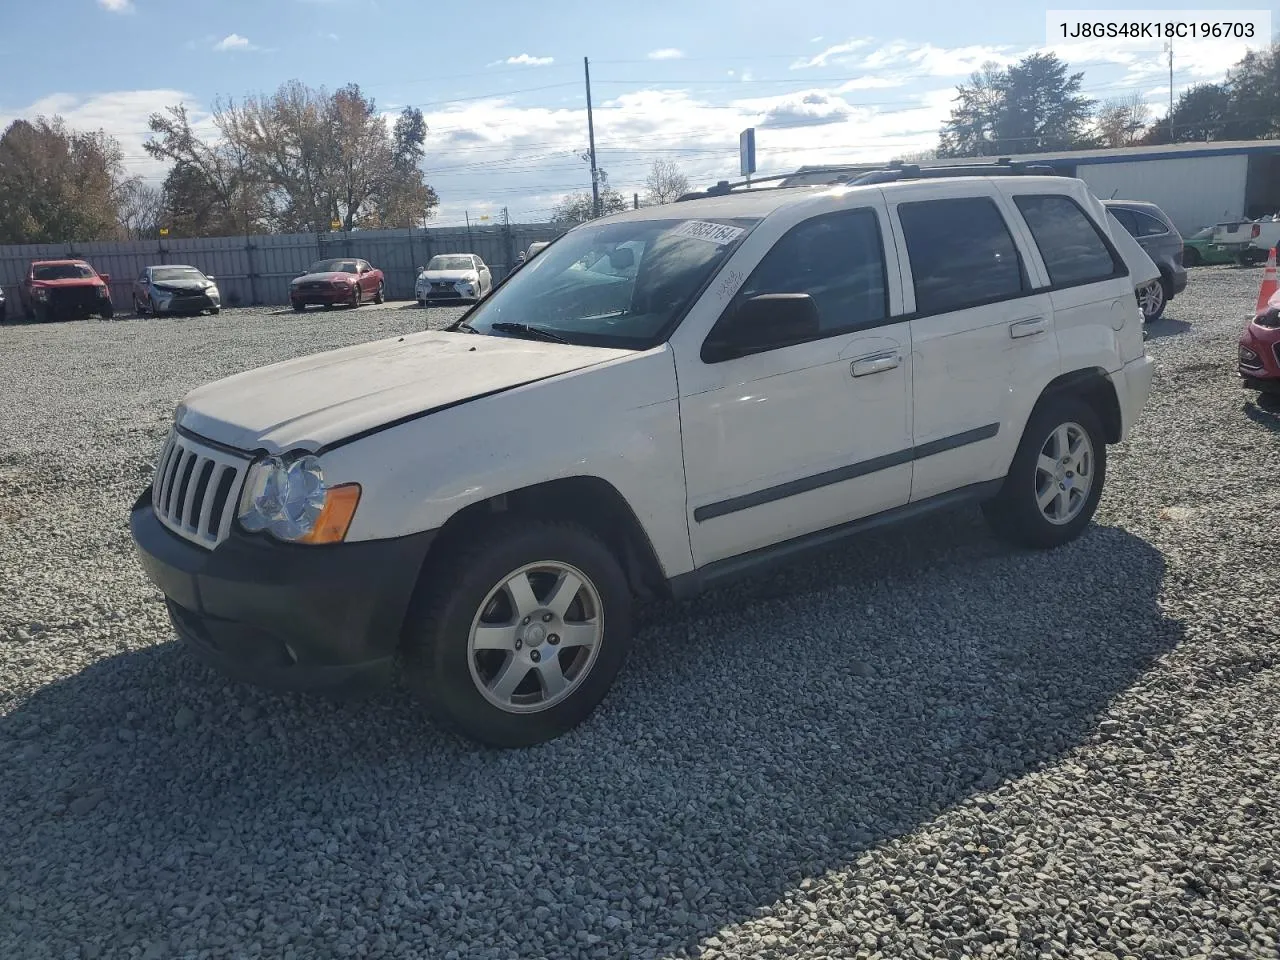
<point>1041,504</point>
<point>502,692</point>
<point>1152,299</point>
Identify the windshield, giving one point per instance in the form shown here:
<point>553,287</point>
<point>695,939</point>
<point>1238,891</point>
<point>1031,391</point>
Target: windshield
<point>333,266</point>
<point>450,263</point>
<point>613,284</point>
<point>63,271</point>
<point>176,273</point>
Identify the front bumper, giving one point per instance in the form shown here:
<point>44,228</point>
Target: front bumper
<point>315,297</point>
<point>281,615</point>
<point>183,305</point>
<point>1265,343</point>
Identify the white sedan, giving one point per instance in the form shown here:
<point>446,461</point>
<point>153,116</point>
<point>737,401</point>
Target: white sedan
<point>451,278</point>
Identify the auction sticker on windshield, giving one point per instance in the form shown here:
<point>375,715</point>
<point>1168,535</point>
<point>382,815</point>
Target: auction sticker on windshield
<point>717,233</point>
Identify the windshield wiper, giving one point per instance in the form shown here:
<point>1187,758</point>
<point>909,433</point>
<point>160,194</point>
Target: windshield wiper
<point>536,333</point>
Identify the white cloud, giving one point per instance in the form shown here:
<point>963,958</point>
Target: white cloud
<point>837,53</point>
<point>869,82</point>
<point>525,60</point>
<point>666,53</point>
<point>233,41</point>
<point>817,39</point>
<point>117,6</point>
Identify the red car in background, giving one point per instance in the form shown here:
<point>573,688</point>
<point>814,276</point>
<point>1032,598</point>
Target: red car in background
<point>341,281</point>
<point>64,288</point>
<point>1259,350</point>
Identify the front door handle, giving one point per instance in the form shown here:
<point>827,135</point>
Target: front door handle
<point>1029,327</point>
<point>876,363</point>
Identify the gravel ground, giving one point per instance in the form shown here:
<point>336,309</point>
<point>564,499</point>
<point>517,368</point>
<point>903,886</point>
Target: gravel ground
<point>922,745</point>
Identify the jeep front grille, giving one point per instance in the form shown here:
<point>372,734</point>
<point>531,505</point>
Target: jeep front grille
<point>195,490</point>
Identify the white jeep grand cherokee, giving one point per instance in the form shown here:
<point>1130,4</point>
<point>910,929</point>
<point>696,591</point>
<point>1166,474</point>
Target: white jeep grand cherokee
<point>659,400</point>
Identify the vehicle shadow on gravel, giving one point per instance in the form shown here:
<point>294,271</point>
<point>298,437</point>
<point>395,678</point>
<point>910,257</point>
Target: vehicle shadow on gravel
<point>1166,327</point>
<point>762,734</point>
<point>1265,410</point>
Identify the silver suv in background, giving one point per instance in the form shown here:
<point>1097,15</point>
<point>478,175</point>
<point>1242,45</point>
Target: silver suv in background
<point>1157,235</point>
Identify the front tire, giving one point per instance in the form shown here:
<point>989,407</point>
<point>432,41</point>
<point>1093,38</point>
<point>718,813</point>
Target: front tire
<point>378,296</point>
<point>1055,481</point>
<point>107,312</point>
<point>516,638</point>
<point>299,307</point>
<point>1191,257</point>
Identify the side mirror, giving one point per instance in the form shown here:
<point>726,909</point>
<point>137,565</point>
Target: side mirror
<point>621,258</point>
<point>768,321</point>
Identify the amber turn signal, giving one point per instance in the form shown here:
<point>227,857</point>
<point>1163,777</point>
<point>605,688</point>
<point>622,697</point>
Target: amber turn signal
<point>335,518</point>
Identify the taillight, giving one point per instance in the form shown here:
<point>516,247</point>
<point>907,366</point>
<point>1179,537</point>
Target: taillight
<point>1270,319</point>
<point>1256,230</point>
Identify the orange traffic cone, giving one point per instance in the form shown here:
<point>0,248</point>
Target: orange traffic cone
<point>1269,285</point>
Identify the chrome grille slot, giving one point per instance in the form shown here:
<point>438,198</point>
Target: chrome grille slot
<point>194,489</point>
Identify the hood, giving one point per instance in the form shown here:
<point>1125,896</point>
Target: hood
<point>183,286</point>
<point>314,277</point>
<point>69,282</point>
<point>310,402</point>
<point>449,276</point>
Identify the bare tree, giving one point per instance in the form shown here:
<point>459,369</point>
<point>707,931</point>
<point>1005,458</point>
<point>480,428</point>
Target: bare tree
<point>297,159</point>
<point>665,182</point>
<point>141,210</point>
<point>1122,121</point>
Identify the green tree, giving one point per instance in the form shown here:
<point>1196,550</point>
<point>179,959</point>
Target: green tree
<point>576,207</point>
<point>59,185</point>
<point>1202,113</point>
<point>1032,107</point>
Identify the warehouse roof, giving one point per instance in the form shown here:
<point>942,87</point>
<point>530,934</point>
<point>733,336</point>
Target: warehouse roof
<point>1168,151</point>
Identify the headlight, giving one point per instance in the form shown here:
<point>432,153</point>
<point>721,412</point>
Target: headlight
<point>161,294</point>
<point>103,291</point>
<point>212,293</point>
<point>289,499</point>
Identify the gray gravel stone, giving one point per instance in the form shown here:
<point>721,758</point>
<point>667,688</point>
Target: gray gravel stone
<point>1067,754</point>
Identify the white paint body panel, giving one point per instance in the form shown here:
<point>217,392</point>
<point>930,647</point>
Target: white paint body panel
<point>312,401</point>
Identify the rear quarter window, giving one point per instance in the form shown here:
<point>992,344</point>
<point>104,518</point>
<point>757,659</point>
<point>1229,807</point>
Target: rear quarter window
<point>1069,242</point>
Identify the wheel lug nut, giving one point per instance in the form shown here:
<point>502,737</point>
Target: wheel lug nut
<point>546,618</point>
<point>525,621</point>
<point>519,643</point>
<point>535,656</point>
<point>553,639</point>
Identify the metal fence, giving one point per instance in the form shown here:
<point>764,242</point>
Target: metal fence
<point>256,270</point>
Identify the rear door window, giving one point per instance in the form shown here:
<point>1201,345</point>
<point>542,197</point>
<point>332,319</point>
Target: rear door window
<point>1070,243</point>
<point>1147,225</point>
<point>961,253</point>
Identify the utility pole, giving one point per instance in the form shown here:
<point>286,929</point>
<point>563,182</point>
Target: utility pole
<point>1169,49</point>
<point>591,135</point>
<point>635,201</point>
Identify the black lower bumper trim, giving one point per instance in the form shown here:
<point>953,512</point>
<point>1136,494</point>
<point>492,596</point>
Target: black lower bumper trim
<point>282,615</point>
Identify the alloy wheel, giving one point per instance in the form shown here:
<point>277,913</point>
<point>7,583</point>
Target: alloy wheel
<point>1064,473</point>
<point>535,637</point>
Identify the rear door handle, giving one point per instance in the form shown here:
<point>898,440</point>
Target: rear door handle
<point>1029,327</point>
<point>876,363</point>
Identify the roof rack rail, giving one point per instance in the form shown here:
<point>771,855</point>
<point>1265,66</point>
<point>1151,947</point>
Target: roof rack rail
<point>839,175</point>
<point>1004,166</point>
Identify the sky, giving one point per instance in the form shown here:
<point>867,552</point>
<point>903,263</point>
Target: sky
<point>502,88</point>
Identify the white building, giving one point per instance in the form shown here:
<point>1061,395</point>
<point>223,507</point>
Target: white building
<point>1196,184</point>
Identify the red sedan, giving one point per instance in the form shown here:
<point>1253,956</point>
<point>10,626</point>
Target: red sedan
<point>1259,350</point>
<point>337,282</point>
